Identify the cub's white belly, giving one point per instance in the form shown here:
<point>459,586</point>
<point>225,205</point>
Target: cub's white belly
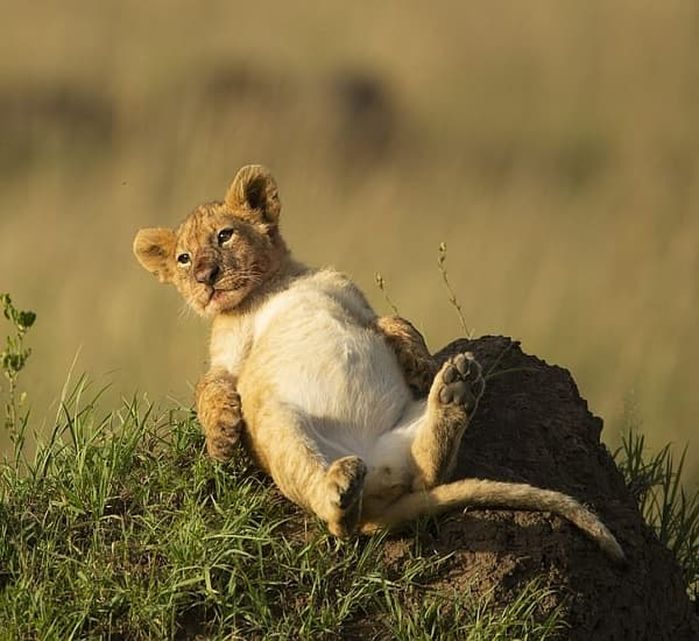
<point>340,378</point>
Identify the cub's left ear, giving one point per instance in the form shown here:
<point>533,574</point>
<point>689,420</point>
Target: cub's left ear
<point>253,195</point>
<point>155,250</point>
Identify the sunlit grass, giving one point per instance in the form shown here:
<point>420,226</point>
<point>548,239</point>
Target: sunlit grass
<point>118,526</point>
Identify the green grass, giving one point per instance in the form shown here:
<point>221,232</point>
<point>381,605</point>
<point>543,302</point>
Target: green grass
<point>655,481</point>
<point>120,528</point>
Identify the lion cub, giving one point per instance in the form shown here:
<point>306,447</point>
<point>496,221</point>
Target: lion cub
<point>345,410</point>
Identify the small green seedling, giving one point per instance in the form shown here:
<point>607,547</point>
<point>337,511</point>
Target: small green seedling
<point>13,358</point>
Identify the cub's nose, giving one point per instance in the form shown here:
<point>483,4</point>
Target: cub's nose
<point>206,273</point>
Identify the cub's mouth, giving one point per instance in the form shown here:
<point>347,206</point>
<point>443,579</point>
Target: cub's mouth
<point>219,299</point>
<point>225,290</point>
<point>222,294</point>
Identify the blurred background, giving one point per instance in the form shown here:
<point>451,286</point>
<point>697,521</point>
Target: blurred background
<point>553,145</point>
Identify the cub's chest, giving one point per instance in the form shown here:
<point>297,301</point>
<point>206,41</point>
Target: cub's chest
<point>231,341</point>
<point>233,337</point>
<point>312,317</point>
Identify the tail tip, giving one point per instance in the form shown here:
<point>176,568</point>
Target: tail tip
<point>614,551</point>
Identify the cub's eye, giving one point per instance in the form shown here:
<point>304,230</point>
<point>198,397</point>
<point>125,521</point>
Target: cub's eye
<point>224,235</point>
<point>183,259</point>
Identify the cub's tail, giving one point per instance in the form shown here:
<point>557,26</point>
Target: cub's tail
<point>484,493</point>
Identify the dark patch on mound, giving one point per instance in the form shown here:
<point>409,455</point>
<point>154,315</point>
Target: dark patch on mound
<point>532,426</point>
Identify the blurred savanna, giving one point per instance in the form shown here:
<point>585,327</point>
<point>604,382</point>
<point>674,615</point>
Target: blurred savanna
<point>553,145</point>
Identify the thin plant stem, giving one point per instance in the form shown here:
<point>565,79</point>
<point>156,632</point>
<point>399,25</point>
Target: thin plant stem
<point>441,262</point>
<point>381,284</point>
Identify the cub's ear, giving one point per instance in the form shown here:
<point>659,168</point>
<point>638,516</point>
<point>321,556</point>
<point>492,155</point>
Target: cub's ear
<point>253,195</point>
<point>155,250</point>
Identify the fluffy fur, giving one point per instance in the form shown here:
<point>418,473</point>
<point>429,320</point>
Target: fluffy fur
<point>344,409</point>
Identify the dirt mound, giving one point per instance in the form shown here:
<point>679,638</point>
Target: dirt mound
<point>532,426</point>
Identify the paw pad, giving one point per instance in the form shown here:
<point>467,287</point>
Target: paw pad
<point>462,381</point>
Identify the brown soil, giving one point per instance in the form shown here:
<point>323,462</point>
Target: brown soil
<point>532,426</point>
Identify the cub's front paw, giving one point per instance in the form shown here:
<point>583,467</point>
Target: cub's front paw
<point>221,417</point>
<point>223,435</point>
<point>460,382</point>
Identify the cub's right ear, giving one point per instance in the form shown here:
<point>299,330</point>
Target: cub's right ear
<point>155,250</point>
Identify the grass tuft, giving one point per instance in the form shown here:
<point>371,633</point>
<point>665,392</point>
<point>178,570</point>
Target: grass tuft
<point>655,481</point>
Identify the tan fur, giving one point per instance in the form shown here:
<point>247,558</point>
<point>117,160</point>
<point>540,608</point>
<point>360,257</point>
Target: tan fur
<point>218,408</point>
<point>412,353</point>
<point>330,397</point>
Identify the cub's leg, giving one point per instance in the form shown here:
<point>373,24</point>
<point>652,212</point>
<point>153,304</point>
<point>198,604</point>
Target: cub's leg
<point>419,368</point>
<point>451,403</point>
<point>219,412</point>
<point>308,469</point>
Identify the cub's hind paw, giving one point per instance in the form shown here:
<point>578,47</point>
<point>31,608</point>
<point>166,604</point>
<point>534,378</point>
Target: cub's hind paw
<point>346,480</point>
<point>460,382</point>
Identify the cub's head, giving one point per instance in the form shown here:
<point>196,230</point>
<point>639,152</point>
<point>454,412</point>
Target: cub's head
<point>223,251</point>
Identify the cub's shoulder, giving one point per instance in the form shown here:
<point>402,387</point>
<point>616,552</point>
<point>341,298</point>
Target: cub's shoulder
<point>343,291</point>
<point>323,291</point>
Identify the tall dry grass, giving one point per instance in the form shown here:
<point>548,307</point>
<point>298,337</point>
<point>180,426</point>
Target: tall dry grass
<point>553,145</point>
